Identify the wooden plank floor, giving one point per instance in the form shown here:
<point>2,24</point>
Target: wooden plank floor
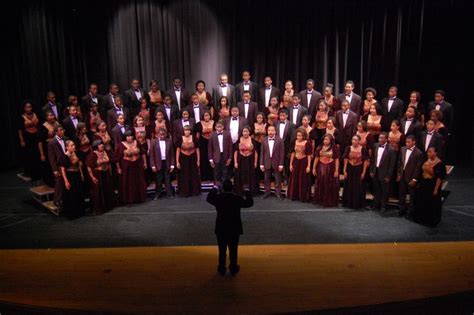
<point>273,278</point>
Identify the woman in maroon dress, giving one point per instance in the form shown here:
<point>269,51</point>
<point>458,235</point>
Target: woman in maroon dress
<point>326,171</point>
<point>131,165</point>
<point>415,98</point>
<point>83,145</point>
<point>320,119</point>
<point>355,167</point>
<point>100,172</point>
<point>299,185</point>
<point>28,133</point>
<point>46,134</point>
<point>366,138</point>
<point>204,97</point>
<point>332,101</point>
<point>93,118</point>
<point>103,134</point>
<point>203,130</point>
<point>245,163</point>
<point>223,111</point>
<point>187,162</point>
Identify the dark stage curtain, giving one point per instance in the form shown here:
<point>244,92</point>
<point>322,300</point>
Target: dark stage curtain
<point>64,45</point>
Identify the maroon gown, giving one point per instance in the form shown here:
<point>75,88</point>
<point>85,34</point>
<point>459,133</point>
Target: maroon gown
<point>299,185</point>
<point>326,190</point>
<point>245,175</point>
<point>102,196</point>
<point>132,183</point>
<point>189,180</point>
<point>353,195</point>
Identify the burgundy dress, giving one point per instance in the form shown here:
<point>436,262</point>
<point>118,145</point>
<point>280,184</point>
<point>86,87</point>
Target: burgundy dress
<point>189,180</point>
<point>245,175</point>
<point>132,183</point>
<point>299,185</point>
<point>73,199</point>
<point>30,154</point>
<point>102,196</point>
<point>326,190</point>
<point>353,195</point>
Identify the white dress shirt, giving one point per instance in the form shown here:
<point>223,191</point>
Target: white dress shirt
<point>54,108</point>
<point>349,98</point>
<point>281,129</point>
<point>309,94</point>
<point>268,92</point>
<point>429,135</point>
<point>74,121</point>
<point>119,110</point>
<point>197,116</point>
<point>379,154</point>
<point>122,128</point>
<point>224,90</point>
<point>407,125</point>
<point>271,144</point>
<point>345,115</point>
<point>94,99</point>
<point>61,143</point>
<point>163,149</point>
<point>178,97</point>
<point>138,94</point>
<point>390,103</point>
<point>247,86</point>
<point>295,114</point>
<point>234,129</point>
<point>246,110</point>
<point>220,138</point>
<point>185,122</point>
<point>407,157</point>
<point>168,112</point>
<point>113,98</point>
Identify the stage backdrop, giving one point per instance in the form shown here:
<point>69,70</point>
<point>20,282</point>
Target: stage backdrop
<point>65,45</point>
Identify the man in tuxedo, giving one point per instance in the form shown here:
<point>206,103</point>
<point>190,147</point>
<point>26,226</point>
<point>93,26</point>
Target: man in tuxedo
<point>446,108</point>
<point>91,97</point>
<point>52,106</point>
<point>409,171</point>
<point>117,132</point>
<point>162,160</point>
<point>170,111</point>
<point>70,123</point>
<point>286,132</point>
<point>246,86</point>
<point>196,109</point>
<point>115,111</point>
<point>355,101</point>
<point>272,153</point>
<point>56,151</point>
<point>224,89</point>
<point>382,166</point>
<point>410,125</point>
<point>177,126</point>
<point>108,101</point>
<point>248,109</point>
<point>297,112</point>
<point>228,226</point>
<point>346,123</point>
<point>392,108</point>
<point>266,93</point>
<point>133,97</point>
<point>220,150</point>
<point>178,94</point>
<point>309,97</point>
<point>234,124</point>
<point>430,138</point>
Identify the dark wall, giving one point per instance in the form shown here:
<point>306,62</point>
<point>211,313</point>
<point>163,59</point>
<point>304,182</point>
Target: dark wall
<point>64,45</point>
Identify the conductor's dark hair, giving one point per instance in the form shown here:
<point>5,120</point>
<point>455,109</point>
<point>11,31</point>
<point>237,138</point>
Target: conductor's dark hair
<point>227,185</point>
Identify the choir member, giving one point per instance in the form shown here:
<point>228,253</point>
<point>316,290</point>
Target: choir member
<point>286,131</point>
<point>155,95</point>
<point>332,130</point>
<point>446,109</point>
<point>179,95</point>
<point>428,195</point>
<point>83,149</point>
<point>326,172</point>
<point>224,108</point>
<point>144,146</point>
<point>370,100</point>
<point>187,162</point>
<point>382,166</point>
<point>366,139</point>
<point>296,111</point>
<point>247,108</point>
<point>234,124</point>
<point>272,161</point>
<point>196,109</point>
<point>246,86</point>
<point>93,117</point>
<point>71,121</point>
<point>224,89</point>
<point>392,108</point>
<point>333,102</point>
<point>113,113</point>
<point>310,97</point>
<point>203,131</point>
<point>118,132</point>
<point>346,123</point>
<point>56,151</point>
<point>46,134</point>
<point>161,122</point>
<point>287,95</point>
<point>162,160</point>
<point>145,112</point>
<point>139,127</point>
<point>320,118</point>
<point>409,169</point>
<point>354,100</point>
<point>409,125</point>
<point>169,109</point>
<point>396,139</point>
<point>355,167</point>
<point>108,101</point>
<point>220,153</point>
<point>266,93</point>
<point>103,135</point>
<point>102,196</point>
<point>91,97</point>
<point>177,127</point>
<point>73,204</point>
<point>306,125</point>
<point>437,117</point>
<point>374,122</point>
<point>28,133</point>
<point>245,163</point>
<point>415,99</point>
<point>131,165</point>
<point>272,110</point>
<point>430,138</point>
<point>204,97</point>
<point>299,185</point>
<point>260,130</point>
<point>53,106</point>
<point>72,100</point>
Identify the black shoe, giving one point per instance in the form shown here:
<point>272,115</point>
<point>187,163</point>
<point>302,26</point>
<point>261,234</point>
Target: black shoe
<point>265,196</point>
<point>280,197</point>
<point>234,270</point>
<point>156,198</point>
<point>221,270</point>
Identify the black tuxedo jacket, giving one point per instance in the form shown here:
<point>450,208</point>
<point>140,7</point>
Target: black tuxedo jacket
<point>413,167</point>
<point>349,130</point>
<point>437,141</point>
<point>202,110</point>
<point>184,98</point>
<point>253,89</point>
<point>301,112</point>
<point>252,112</point>
<point>312,106</point>
<point>69,128</point>
<point>174,112</point>
<point>86,102</point>
<point>396,112</point>
<point>59,109</point>
<point>217,94</point>
<point>275,92</point>
<point>414,129</point>
<point>356,102</point>
<point>131,100</point>
<point>448,113</point>
<point>387,163</point>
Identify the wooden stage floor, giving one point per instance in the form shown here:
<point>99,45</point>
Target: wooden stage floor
<point>273,278</point>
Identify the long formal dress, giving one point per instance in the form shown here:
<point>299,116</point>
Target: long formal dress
<point>205,131</point>
<point>245,175</point>
<point>46,133</point>
<point>189,181</point>
<point>299,185</point>
<point>374,126</point>
<point>83,145</point>
<point>319,129</point>
<point>30,153</point>
<point>73,198</point>
<point>353,195</point>
<point>102,196</point>
<point>427,206</point>
<point>326,189</point>
<point>132,183</point>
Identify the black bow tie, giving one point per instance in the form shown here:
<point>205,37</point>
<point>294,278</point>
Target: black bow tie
<point>309,92</point>
<point>167,106</point>
<point>410,149</point>
<point>223,85</point>
<point>234,118</point>
<point>271,139</point>
<point>137,90</point>
<point>382,146</point>
<point>220,133</point>
<point>268,88</point>
<point>196,106</point>
<point>410,119</point>
<point>346,113</point>
<point>177,90</point>
<point>246,83</point>
<point>393,98</point>
<point>430,133</point>
<point>296,106</point>
<point>185,120</point>
<point>246,104</point>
